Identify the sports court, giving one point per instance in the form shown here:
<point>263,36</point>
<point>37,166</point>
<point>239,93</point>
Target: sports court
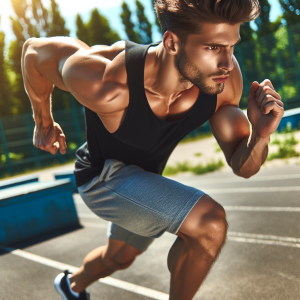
<point>260,261</point>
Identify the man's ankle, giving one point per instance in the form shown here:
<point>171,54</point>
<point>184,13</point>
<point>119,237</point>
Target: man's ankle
<point>75,287</point>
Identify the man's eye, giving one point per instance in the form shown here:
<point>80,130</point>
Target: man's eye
<point>210,48</point>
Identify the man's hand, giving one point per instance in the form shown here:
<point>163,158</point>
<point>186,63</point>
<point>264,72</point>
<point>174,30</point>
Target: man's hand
<point>50,138</point>
<point>265,108</point>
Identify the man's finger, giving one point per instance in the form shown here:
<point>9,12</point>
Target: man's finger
<point>266,90</point>
<point>62,143</point>
<point>257,94</point>
<point>253,89</point>
<point>54,148</point>
<point>269,98</point>
<point>277,110</point>
<point>267,82</point>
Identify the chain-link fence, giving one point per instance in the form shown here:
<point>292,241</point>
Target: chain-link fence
<point>17,153</point>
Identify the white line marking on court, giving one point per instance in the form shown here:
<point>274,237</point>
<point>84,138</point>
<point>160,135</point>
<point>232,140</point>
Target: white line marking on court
<point>107,280</point>
<point>258,241</point>
<point>237,179</point>
<point>232,234</point>
<point>253,190</point>
<point>264,237</point>
<point>262,208</point>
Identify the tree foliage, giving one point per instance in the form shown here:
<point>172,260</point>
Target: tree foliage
<point>156,18</point>
<point>246,32</point>
<point>141,32</point>
<point>291,11</point>
<point>128,24</point>
<point>82,30</point>
<point>145,27</point>
<point>57,26</point>
<point>5,92</point>
<point>32,19</point>
<point>96,31</point>
<point>263,22</point>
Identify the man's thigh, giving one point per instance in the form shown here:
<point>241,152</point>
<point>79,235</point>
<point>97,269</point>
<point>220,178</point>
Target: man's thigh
<point>140,202</point>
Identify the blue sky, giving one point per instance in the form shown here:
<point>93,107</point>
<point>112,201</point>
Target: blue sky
<point>110,8</point>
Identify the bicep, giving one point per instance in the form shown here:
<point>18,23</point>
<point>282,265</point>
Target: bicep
<point>230,127</point>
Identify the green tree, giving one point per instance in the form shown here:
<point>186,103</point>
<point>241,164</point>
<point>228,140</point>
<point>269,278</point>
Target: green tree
<point>96,31</point>
<point>291,11</point>
<point>128,24</point>
<point>32,19</point>
<point>263,22</point>
<point>156,18</point>
<point>57,25</point>
<point>82,31</point>
<point>5,91</point>
<point>145,27</point>
<point>57,28</point>
<point>246,32</point>
<point>99,30</point>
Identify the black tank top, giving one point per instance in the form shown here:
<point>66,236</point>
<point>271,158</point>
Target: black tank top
<point>143,139</point>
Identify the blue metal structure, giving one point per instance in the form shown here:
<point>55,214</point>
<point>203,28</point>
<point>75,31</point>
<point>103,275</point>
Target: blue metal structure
<point>291,118</point>
<point>4,184</point>
<point>67,175</point>
<point>32,209</point>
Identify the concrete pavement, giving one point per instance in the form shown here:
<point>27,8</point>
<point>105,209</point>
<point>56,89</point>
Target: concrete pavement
<point>260,261</point>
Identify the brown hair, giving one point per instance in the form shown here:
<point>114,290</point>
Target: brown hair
<point>185,17</point>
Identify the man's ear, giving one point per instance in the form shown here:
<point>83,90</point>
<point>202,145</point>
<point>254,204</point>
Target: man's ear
<point>171,42</point>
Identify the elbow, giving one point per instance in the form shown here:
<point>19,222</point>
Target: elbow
<point>27,43</point>
<point>245,175</point>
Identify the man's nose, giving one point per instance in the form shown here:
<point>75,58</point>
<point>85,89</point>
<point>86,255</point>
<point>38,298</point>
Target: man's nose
<point>226,62</point>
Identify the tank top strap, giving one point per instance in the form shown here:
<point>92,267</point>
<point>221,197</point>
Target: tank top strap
<point>135,60</point>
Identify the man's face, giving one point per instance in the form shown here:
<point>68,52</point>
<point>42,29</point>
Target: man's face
<point>203,58</point>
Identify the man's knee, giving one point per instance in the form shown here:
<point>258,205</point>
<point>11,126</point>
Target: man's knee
<point>205,226</point>
<point>122,258</point>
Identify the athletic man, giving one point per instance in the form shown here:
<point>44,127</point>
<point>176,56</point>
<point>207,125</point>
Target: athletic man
<point>140,101</point>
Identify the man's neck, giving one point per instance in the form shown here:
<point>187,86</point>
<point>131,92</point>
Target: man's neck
<point>162,76</point>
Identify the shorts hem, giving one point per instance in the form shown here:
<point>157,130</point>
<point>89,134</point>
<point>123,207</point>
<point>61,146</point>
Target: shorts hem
<point>180,218</point>
<point>141,247</point>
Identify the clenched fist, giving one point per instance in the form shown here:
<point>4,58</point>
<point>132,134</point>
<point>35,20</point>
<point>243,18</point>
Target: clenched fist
<point>265,108</point>
<point>50,138</point>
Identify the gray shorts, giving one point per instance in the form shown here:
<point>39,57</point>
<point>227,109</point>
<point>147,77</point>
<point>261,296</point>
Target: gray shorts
<point>139,205</point>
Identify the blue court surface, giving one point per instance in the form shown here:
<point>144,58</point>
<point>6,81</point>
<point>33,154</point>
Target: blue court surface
<point>260,261</point>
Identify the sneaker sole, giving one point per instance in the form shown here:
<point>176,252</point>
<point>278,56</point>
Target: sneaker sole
<point>57,281</point>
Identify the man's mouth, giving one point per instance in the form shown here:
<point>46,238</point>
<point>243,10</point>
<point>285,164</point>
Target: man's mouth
<point>220,79</point>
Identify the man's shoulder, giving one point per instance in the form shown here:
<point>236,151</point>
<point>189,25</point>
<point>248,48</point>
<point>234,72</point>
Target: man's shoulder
<point>110,52</point>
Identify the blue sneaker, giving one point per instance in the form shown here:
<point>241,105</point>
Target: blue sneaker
<point>63,287</point>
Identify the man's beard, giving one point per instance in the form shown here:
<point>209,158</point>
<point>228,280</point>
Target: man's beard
<point>190,72</point>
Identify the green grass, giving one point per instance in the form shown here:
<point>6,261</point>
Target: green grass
<point>12,156</point>
<point>217,149</point>
<point>286,147</point>
<point>198,169</point>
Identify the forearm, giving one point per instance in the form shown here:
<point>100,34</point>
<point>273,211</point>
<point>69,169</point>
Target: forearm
<point>42,111</point>
<point>37,87</point>
<point>250,155</point>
